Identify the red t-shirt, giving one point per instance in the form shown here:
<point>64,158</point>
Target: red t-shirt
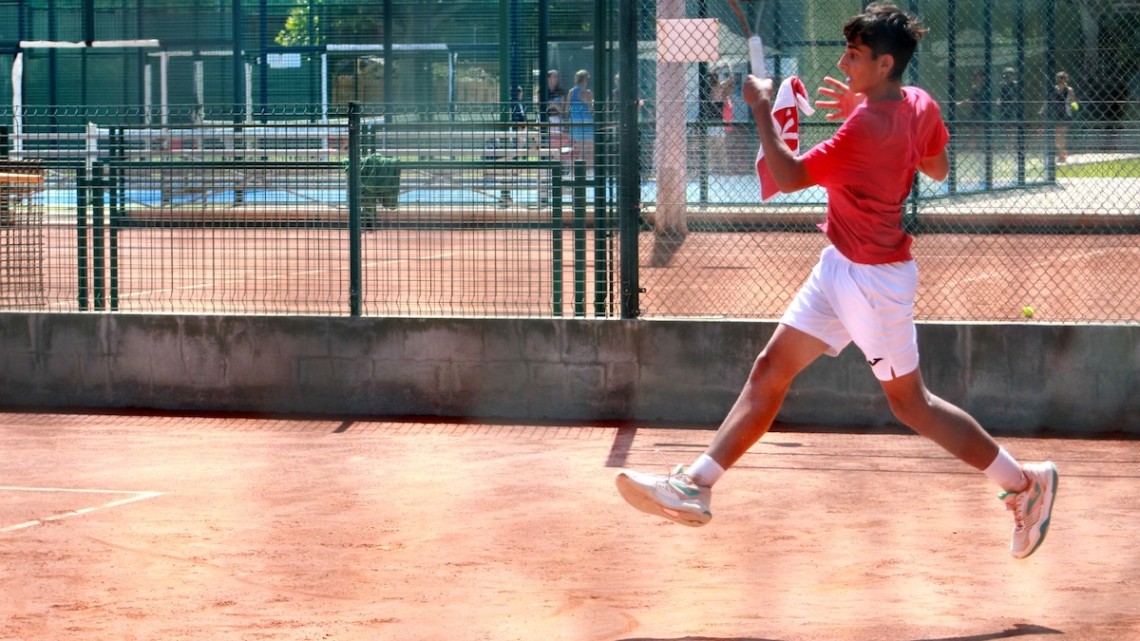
<point>868,168</point>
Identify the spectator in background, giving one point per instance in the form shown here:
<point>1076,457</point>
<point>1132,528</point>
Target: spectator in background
<point>580,107</point>
<point>1059,108</point>
<point>555,110</point>
<point>555,105</point>
<point>722,86</point>
<point>975,110</point>
<point>1009,97</point>
<point>1010,105</point>
<point>518,109</point>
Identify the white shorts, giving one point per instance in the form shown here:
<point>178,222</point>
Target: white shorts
<point>870,305</point>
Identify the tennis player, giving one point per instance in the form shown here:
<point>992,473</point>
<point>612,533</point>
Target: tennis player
<point>862,289</point>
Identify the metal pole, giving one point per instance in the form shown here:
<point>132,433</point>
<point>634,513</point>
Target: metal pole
<point>116,204</point>
<point>543,55</point>
<point>704,114</point>
<point>952,88</point>
<point>98,227</point>
<point>579,202</point>
<point>238,62</point>
<point>355,275</point>
<point>505,36</point>
<point>263,77</point>
<point>556,237</point>
<point>602,156</point>
<point>89,21</point>
<point>910,219</point>
<point>81,204</point>
<point>389,64</point>
<point>1050,20</point>
<point>1019,27</point>
<point>987,65</point>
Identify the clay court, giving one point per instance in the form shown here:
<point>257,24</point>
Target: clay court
<point>188,527</point>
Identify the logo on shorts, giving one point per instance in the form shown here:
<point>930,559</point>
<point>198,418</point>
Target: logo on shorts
<point>874,361</point>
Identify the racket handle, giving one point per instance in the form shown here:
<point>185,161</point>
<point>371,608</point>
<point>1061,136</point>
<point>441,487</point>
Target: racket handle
<point>756,56</point>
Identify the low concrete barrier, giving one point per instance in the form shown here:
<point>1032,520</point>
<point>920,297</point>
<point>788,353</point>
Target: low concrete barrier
<point>1015,378</point>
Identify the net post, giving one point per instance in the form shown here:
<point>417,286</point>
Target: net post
<point>355,277</point>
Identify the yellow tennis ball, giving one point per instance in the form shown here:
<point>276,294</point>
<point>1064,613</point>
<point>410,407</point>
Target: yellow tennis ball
<point>1075,106</point>
<point>1027,311</point>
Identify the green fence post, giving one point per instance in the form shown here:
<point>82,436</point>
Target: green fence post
<point>579,198</point>
<point>556,236</point>
<point>601,240</point>
<point>81,235</point>
<point>1019,29</point>
<point>1049,20</point>
<point>355,276</point>
<point>117,197</point>
<point>987,64</point>
<point>952,91</point>
<point>629,161</point>
<point>98,229</point>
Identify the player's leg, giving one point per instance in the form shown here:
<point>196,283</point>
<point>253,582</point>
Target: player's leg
<point>876,303</point>
<point>683,496</point>
<point>808,328</point>
<point>886,333</point>
<point>787,354</point>
<point>1029,490</point>
<point>945,424</point>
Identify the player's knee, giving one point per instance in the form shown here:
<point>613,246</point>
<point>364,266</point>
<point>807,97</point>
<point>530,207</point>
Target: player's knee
<point>770,375</point>
<point>911,410</point>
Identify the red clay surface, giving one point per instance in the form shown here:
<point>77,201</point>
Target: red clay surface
<point>247,528</point>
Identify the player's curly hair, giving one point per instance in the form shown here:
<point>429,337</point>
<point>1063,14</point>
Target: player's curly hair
<point>886,29</point>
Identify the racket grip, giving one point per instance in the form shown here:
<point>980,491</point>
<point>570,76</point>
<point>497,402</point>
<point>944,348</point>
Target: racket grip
<point>756,56</point>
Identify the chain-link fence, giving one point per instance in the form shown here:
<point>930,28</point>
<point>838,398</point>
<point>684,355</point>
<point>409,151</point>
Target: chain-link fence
<point>1039,208</point>
<point>470,180</point>
<point>414,213</point>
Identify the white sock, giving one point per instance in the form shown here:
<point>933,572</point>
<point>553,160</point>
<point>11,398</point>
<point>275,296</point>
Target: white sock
<point>1006,472</point>
<point>705,471</point>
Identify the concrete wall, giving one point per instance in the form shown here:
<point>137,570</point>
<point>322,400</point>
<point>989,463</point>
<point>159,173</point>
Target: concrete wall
<point>1015,378</point>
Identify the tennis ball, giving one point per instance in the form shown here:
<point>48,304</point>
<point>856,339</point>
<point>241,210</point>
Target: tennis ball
<point>1075,106</point>
<point>1027,311</point>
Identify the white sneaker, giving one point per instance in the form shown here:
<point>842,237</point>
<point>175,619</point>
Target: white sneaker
<point>1032,508</point>
<point>674,497</point>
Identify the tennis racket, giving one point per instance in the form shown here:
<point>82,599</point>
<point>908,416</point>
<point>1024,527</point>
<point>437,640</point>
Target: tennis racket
<point>752,32</point>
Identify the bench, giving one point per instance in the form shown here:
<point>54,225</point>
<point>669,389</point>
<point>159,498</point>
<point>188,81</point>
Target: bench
<point>18,179</point>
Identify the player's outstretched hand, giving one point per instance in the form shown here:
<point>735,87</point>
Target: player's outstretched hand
<point>757,89</point>
<point>842,100</point>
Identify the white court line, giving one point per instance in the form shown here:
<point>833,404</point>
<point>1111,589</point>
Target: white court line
<point>134,496</point>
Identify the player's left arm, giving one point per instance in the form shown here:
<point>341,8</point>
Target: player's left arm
<point>933,142</point>
<point>936,166</point>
